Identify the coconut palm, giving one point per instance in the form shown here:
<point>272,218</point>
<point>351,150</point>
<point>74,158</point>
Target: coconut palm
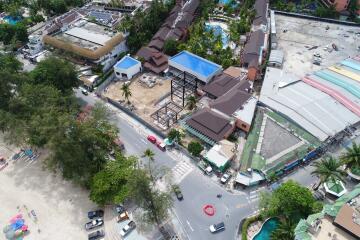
<point>328,169</point>
<point>191,101</point>
<point>150,155</point>
<point>284,230</point>
<point>126,92</point>
<point>352,156</point>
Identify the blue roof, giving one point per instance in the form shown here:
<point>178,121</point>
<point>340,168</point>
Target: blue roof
<point>126,62</point>
<point>196,64</point>
<point>351,63</point>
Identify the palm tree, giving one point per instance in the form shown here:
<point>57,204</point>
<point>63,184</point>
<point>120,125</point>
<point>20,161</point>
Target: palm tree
<point>150,155</point>
<point>126,92</point>
<point>328,170</point>
<point>191,101</point>
<point>284,230</point>
<point>352,156</point>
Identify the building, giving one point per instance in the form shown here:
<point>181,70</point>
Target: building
<point>221,154</point>
<point>276,58</point>
<point>87,34</point>
<point>175,27</point>
<point>261,18</point>
<point>203,69</point>
<point>127,68</point>
<point>340,220</point>
<point>153,59</point>
<point>34,46</point>
<point>340,5</point>
<point>324,103</point>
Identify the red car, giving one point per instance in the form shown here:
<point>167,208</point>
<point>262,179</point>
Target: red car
<point>151,139</point>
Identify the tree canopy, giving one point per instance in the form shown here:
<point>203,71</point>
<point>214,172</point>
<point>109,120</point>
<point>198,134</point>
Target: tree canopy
<point>55,72</point>
<point>290,200</point>
<point>195,148</point>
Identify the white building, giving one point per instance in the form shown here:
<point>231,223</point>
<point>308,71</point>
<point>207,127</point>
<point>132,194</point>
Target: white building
<point>127,68</point>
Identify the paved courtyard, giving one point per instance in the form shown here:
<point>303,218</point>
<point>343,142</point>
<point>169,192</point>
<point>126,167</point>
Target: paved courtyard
<point>60,207</point>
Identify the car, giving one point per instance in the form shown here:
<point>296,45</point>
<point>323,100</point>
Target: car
<point>96,235</point>
<point>178,193</point>
<point>224,178</point>
<point>84,91</point>
<point>161,145</point>
<point>120,208</point>
<point>122,216</point>
<point>317,55</point>
<point>217,227</point>
<point>94,223</point>
<point>152,139</point>
<point>128,228</point>
<point>96,214</point>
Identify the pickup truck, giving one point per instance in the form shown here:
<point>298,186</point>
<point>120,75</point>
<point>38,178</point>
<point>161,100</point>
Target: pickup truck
<point>94,223</point>
<point>205,167</point>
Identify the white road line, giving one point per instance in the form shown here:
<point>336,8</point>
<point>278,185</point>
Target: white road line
<point>188,223</point>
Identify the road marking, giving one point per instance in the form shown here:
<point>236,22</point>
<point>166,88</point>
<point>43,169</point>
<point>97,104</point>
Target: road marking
<point>189,225</point>
<point>143,141</point>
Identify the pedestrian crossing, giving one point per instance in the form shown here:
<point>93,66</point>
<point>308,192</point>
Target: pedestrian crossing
<point>181,170</point>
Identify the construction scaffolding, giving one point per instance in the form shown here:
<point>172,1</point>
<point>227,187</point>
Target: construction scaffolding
<point>167,115</point>
<point>183,85</point>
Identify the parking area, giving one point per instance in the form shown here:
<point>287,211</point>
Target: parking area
<point>51,207</point>
<point>301,38</point>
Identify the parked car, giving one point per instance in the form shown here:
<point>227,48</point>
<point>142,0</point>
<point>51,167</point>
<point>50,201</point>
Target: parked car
<point>122,216</point>
<point>96,235</point>
<point>217,227</point>
<point>94,223</point>
<point>178,193</point>
<point>128,228</point>
<point>225,177</point>
<point>151,138</point>
<point>96,214</point>
<point>84,91</point>
<point>205,167</point>
<point>161,145</point>
<point>120,208</point>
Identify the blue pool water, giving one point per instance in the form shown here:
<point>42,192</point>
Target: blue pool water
<point>268,227</point>
<point>12,20</point>
<point>218,30</point>
<point>196,65</point>
<point>126,62</point>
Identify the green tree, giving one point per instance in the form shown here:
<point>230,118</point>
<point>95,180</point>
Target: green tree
<point>325,12</point>
<point>174,135</point>
<point>195,148</point>
<point>55,72</point>
<point>109,186</point>
<point>351,158</point>
<point>328,169</point>
<point>290,200</point>
<point>81,149</point>
<point>9,63</point>
<point>126,91</point>
<point>284,231</point>
<point>171,47</point>
<point>154,203</point>
<point>191,102</point>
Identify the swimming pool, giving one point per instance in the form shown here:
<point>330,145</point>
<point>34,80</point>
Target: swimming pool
<point>11,20</point>
<point>267,228</point>
<point>218,30</point>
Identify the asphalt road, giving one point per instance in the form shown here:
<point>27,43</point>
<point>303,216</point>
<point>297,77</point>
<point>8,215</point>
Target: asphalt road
<point>198,189</point>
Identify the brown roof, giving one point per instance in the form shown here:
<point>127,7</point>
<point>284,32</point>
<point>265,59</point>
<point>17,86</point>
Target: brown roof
<point>69,18</point>
<point>159,59</point>
<point>252,47</point>
<point>146,53</point>
<point>261,12</point>
<point>221,84</point>
<point>191,6</point>
<point>231,102</point>
<point>210,124</point>
<point>233,71</point>
<point>162,32</point>
<point>157,43</point>
<point>344,219</point>
<point>155,69</point>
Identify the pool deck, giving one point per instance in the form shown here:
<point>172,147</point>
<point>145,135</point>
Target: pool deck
<point>253,229</point>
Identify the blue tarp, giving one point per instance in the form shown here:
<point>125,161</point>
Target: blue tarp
<point>17,224</point>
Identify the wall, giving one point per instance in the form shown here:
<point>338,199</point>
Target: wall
<point>252,73</point>
<point>239,124</point>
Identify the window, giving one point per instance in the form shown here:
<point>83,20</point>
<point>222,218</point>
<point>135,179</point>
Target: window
<point>243,125</point>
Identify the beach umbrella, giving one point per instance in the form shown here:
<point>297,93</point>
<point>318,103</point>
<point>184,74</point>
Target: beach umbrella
<point>16,217</point>
<point>17,224</point>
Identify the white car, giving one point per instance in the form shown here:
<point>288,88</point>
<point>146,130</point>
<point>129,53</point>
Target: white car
<point>84,91</point>
<point>217,227</point>
<point>128,228</point>
<point>224,178</point>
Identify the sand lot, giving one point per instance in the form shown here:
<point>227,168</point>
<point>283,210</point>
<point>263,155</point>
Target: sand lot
<point>61,207</point>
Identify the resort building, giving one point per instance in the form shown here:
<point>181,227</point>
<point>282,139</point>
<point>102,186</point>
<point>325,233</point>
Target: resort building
<point>340,5</point>
<point>175,27</point>
<point>153,59</point>
<point>325,103</point>
<point>221,154</point>
<point>87,35</point>
<point>127,68</point>
<point>340,221</point>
